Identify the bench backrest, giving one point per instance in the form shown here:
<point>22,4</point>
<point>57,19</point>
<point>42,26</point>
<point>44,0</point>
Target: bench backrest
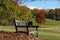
<point>20,23</point>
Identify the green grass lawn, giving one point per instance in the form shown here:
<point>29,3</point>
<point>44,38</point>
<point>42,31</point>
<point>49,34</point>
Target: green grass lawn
<point>52,22</point>
<point>48,31</point>
<point>7,28</point>
<point>49,36</point>
<point>48,23</point>
<point>52,33</point>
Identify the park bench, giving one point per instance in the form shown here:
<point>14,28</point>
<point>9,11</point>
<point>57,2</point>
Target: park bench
<point>26,25</point>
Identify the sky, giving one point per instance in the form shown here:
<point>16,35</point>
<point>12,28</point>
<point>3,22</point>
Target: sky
<point>43,4</point>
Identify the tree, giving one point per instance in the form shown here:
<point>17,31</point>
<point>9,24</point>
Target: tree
<point>35,10</point>
<point>52,11</point>
<point>40,17</point>
<point>57,11</point>
<point>25,13</point>
<point>51,14</point>
<point>45,12</point>
<point>8,11</point>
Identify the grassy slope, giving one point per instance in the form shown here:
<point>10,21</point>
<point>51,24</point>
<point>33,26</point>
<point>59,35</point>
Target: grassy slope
<point>52,22</point>
<point>48,31</point>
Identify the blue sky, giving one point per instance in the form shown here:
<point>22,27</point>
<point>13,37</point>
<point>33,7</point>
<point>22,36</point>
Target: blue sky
<point>43,4</point>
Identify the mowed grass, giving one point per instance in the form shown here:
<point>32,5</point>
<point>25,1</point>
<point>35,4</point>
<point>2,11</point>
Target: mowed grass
<point>47,31</point>
<point>52,22</point>
<point>7,28</point>
<point>49,36</point>
<point>52,33</point>
<point>47,24</point>
<point>50,30</point>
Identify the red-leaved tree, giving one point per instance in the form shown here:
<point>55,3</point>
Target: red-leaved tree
<point>40,18</point>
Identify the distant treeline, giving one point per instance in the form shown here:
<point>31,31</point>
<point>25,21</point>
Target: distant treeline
<point>53,14</point>
<point>50,13</point>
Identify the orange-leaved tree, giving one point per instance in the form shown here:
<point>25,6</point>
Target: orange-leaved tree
<point>40,17</point>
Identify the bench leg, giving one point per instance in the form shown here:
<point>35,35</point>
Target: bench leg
<point>27,31</point>
<point>16,28</point>
<point>37,31</point>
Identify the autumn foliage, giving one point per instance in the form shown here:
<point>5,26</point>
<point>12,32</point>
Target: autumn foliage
<point>40,18</point>
<point>16,36</point>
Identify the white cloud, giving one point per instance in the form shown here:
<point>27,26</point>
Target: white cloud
<point>32,7</point>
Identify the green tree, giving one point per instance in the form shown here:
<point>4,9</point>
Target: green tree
<point>52,11</point>
<point>8,11</point>
<point>57,11</point>
<point>25,13</point>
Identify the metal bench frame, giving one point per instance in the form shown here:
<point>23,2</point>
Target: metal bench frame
<point>27,28</point>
